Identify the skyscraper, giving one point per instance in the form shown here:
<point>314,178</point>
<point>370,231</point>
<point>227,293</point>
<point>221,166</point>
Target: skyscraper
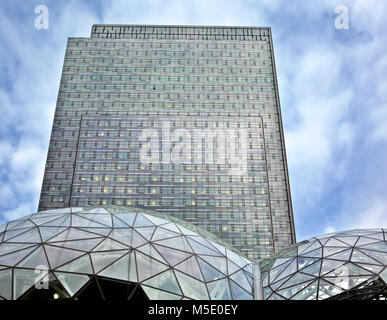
<point>183,119</point>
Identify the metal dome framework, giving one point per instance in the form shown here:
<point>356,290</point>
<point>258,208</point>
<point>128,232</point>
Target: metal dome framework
<point>116,253</point>
<point>341,265</point>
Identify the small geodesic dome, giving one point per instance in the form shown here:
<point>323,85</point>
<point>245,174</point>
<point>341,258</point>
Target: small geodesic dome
<point>116,253</point>
<point>342,265</point>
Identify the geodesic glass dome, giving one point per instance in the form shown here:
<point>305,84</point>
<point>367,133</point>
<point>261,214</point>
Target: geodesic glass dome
<point>341,265</point>
<point>116,253</point>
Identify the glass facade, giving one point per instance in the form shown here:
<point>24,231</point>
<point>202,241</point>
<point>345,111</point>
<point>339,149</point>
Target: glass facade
<point>116,253</point>
<point>131,95</point>
<point>342,265</point>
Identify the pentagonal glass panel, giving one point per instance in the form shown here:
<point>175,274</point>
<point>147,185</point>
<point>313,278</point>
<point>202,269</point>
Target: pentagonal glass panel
<point>149,250</point>
<point>209,272</point>
<point>238,293</point>
<point>58,222</point>
<point>191,287</point>
<point>103,259</point>
<point>128,236</point>
<point>80,265</point>
<point>72,234</point>
<point>58,256</point>
<point>176,243</point>
<point>78,221</point>
<point>154,294</point>
<point>109,244</point>
<point>6,283</point>
<point>127,217</point>
<point>291,291</point>
<point>141,221</point>
<point>219,290</point>
<point>161,233</point>
<point>191,267</point>
<point>165,281</point>
<point>83,245</point>
<point>147,266</point>
<point>34,259</point>
<point>118,270</point>
<point>72,282</point>
<point>13,258</point>
<point>240,278</point>
<point>307,293</point>
<point>146,232</point>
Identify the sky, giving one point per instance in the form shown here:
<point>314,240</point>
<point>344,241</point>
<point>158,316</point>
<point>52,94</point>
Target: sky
<point>332,85</point>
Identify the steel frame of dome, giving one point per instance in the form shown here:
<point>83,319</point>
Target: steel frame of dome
<point>342,265</point>
<point>72,248</point>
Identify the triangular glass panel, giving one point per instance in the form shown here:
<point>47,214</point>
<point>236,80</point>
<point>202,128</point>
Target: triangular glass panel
<point>154,294</point>
<point>379,246</point>
<point>6,283</point>
<point>80,265</point>
<point>383,275</point>
<point>280,261</point>
<point>146,232</point>
<point>128,237</point>
<point>78,221</point>
<point>276,297</point>
<point>102,259</point>
<point>330,265</point>
<point>378,236</point>
<point>172,227</point>
<point>350,240</point>
<point>72,234</point>
<point>267,292</point>
<point>58,256</point>
<point>155,220</point>
<point>307,293</point>
<point>324,240</point>
<point>161,233</point>
<point>332,242</point>
<point>119,223</point>
<point>149,250</point>
<point>304,247</point>
<point>177,243</point>
<point>232,267</point>
<point>97,231</point>
<point>279,283</point>
<point>378,256</point>
<point>277,270</point>
<point>240,278</point>
<point>317,253</point>
<point>342,255</point>
<point>83,245</point>
<point>147,266</point>
<point>235,258</point>
<point>219,290</point>
<point>109,244</point>
<point>6,248</point>
<point>118,270</point>
<point>200,249</point>
<point>127,217</point>
<point>187,231</point>
<point>58,222</point>
<point>304,262</point>
<point>141,221</point>
<point>42,220</point>
<point>31,236</point>
<point>220,248</point>
<point>372,268</point>
<point>101,218</point>
<point>21,225</point>
<point>76,209</point>
<point>217,262</point>
<point>363,241</point>
<point>296,279</point>
<point>349,270</point>
<point>209,272</point>
<point>290,269</point>
<point>13,258</point>
<point>191,267</point>
<point>238,293</point>
<point>165,281</point>
<point>22,281</point>
<point>13,233</point>
<point>49,232</point>
<point>34,259</point>
<point>328,251</point>
<point>192,288</point>
<point>291,291</point>
<point>358,256</point>
<point>72,282</point>
<point>313,246</point>
<point>313,269</point>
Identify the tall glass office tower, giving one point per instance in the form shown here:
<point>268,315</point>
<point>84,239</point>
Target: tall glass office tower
<point>178,119</point>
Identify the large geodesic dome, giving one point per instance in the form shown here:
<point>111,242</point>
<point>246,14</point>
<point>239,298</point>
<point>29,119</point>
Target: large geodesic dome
<point>341,265</point>
<point>116,253</point>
